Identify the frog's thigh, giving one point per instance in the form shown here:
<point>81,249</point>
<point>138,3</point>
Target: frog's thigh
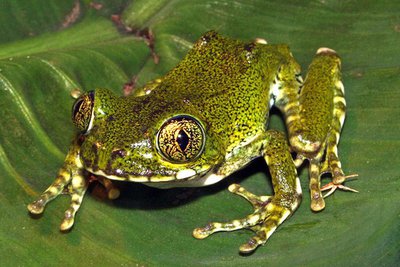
<point>269,212</point>
<point>316,132</point>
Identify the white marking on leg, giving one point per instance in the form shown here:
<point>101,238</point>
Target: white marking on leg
<point>340,85</point>
<point>339,99</point>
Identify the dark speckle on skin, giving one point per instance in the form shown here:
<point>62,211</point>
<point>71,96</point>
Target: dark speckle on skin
<point>208,36</point>
<point>95,147</point>
<point>143,129</point>
<point>118,153</point>
<point>249,47</point>
<point>215,83</point>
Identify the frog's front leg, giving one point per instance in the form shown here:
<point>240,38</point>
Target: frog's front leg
<point>70,178</point>
<point>315,133</point>
<point>269,211</point>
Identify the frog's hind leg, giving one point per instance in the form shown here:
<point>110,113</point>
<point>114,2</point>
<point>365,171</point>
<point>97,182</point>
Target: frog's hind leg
<point>269,211</point>
<point>332,162</point>
<point>70,179</point>
<point>315,135</point>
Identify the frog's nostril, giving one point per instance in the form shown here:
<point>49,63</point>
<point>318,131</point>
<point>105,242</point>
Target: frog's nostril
<point>325,50</point>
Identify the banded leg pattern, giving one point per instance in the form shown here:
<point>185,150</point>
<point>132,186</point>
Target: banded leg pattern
<point>269,211</point>
<point>332,162</point>
<point>70,179</point>
<point>55,189</point>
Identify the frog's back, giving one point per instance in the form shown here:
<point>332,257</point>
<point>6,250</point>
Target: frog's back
<point>226,83</point>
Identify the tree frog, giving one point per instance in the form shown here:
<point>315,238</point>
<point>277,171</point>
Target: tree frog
<point>207,118</point>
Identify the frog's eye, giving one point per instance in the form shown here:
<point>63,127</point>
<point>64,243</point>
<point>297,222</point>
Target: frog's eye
<point>181,139</point>
<point>82,112</point>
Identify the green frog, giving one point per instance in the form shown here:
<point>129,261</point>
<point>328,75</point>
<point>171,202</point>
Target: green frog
<point>204,120</point>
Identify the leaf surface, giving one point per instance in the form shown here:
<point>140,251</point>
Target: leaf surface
<point>42,61</point>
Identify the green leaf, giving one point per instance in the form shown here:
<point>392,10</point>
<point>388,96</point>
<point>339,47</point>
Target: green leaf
<point>47,49</point>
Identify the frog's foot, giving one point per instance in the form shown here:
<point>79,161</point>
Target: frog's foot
<point>338,178</point>
<point>75,185</point>
<point>111,189</point>
<point>267,216</point>
<point>332,186</point>
<point>37,206</point>
<point>55,189</point>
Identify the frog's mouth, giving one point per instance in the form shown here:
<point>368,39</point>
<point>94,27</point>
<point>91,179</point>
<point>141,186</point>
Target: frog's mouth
<point>182,178</point>
<point>189,178</point>
<point>205,178</point>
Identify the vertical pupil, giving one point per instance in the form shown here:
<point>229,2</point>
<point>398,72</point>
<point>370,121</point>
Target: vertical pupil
<point>182,139</point>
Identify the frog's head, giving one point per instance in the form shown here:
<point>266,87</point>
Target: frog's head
<point>140,139</point>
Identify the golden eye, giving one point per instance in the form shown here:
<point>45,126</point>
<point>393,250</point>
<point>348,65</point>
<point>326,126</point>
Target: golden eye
<point>82,112</point>
<point>181,139</point>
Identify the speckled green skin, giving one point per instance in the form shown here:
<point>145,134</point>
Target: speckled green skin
<point>222,82</point>
<point>316,106</point>
<point>228,86</point>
